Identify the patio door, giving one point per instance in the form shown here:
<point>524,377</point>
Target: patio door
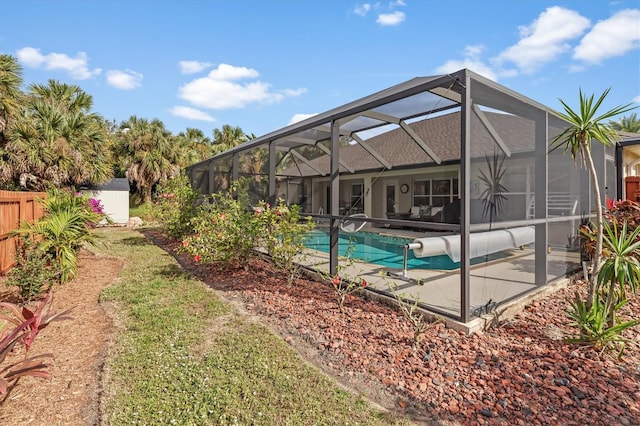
<point>391,197</point>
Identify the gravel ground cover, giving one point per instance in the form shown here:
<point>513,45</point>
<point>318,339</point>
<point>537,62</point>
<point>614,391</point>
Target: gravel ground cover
<point>521,372</point>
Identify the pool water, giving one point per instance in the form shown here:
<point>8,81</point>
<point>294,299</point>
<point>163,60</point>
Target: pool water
<point>383,250</point>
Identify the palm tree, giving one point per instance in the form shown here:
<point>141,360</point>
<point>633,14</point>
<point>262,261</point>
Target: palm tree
<point>56,141</point>
<point>583,127</point>
<point>629,124</point>
<point>70,97</point>
<point>227,138</point>
<point>10,94</point>
<point>11,99</point>
<point>148,153</point>
<point>194,146</point>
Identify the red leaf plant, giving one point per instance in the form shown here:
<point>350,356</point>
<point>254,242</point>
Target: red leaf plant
<point>22,325</point>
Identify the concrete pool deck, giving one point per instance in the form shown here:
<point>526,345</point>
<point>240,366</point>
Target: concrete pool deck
<point>504,286</point>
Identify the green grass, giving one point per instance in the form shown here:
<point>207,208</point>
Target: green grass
<point>184,357</point>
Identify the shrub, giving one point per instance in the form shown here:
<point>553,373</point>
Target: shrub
<point>284,234</point>
<point>223,231</point>
<point>175,206</point>
<point>21,326</point>
<point>410,309</point>
<point>33,273</point>
<point>63,229</point>
<point>343,283</point>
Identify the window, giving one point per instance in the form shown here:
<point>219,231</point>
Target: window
<point>435,192</point>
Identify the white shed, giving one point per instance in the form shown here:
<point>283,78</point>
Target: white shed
<point>114,196</point>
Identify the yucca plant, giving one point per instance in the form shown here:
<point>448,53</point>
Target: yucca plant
<point>592,324</point>
<point>620,269</point>
<point>619,277</point>
<point>585,125</point>
<point>493,196</point>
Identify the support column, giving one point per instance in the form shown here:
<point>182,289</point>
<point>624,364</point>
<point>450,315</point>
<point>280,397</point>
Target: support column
<point>335,197</point>
<point>272,174</point>
<point>235,172</point>
<point>465,177</point>
<point>542,167</point>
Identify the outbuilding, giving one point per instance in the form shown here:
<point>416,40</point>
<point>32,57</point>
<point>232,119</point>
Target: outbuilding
<point>114,196</point>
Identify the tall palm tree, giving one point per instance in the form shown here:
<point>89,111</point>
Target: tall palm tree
<point>56,141</point>
<point>227,138</point>
<point>11,95</point>
<point>148,153</point>
<point>69,97</point>
<point>629,124</point>
<point>11,100</point>
<point>583,127</point>
<point>194,146</point>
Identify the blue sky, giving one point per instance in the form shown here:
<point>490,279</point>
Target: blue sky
<point>263,64</point>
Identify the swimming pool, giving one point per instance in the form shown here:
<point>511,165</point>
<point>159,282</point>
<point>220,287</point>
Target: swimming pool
<point>383,250</point>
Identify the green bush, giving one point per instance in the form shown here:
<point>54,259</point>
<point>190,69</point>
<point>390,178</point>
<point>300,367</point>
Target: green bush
<point>284,232</point>
<point>175,206</point>
<point>223,231</point>
<point>33,273</point>
<point>64,228</point>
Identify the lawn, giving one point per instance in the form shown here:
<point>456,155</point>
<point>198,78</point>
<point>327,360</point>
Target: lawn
<point>184,356</point>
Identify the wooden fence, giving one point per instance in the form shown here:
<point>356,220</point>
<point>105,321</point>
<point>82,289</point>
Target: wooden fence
<point>15,207</point>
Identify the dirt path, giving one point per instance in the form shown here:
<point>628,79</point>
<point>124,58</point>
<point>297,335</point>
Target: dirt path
<point>72,396</point>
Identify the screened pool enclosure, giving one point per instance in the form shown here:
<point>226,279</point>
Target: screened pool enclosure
<point>453,166</point>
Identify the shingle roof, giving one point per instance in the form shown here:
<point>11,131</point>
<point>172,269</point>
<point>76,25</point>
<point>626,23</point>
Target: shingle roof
<point>441,134</point>
<point>115,184</point>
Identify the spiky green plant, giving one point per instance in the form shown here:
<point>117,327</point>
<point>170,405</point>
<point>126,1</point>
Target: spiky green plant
<point>583,126</point>
<point>493,196</point>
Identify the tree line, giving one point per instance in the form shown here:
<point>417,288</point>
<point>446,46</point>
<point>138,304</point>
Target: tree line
<point>51,138</point>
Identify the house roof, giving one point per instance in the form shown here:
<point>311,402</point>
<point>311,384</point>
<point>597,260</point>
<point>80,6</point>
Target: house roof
<point>115,184</point>
<point>442,134</point>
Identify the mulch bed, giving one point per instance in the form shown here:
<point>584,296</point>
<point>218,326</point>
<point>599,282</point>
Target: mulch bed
<point>521,372</point>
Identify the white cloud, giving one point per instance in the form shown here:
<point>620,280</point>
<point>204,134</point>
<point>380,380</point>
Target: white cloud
<point>192,67</point>
<point>191,114</point>
<point>390,19</point>
<point>299,117</point>
<point>362,9</point>
<point>125,80</point>
<point>77,67</point>
<point>636,99</point>
<point>609,38</point>
<point>471,61</point>
<point>294,92</point>
<point>221,89</point>
<point>229,72</point>
<point>545,39</point>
